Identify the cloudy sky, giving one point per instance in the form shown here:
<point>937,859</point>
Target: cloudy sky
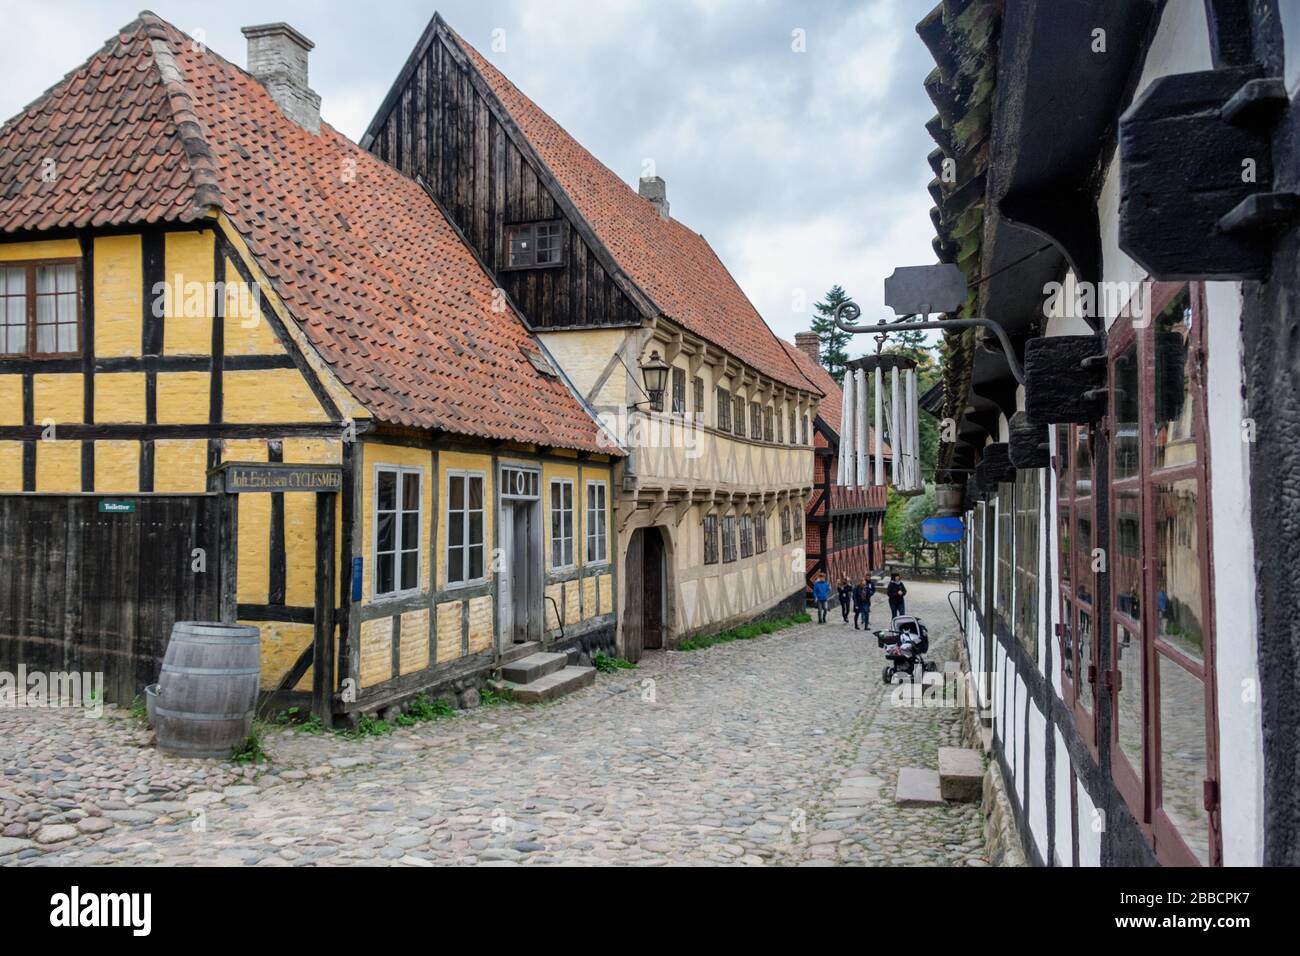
<point>791,134</point>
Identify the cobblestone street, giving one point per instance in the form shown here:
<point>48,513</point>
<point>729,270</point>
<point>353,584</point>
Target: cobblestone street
<point>781,750</point>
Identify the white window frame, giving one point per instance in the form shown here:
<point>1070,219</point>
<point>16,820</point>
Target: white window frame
<point>569,538</point>
<point>466,473</point>
<point>398,544</point>
<point>602,537</point>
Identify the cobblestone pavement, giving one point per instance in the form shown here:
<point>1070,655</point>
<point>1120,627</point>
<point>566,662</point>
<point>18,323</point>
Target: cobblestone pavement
<point>781,750</point>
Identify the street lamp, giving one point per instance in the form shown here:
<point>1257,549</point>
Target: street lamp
<point>655,373</point>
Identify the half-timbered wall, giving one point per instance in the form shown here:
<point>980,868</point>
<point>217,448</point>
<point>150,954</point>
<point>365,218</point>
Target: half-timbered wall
<point>440,128</point>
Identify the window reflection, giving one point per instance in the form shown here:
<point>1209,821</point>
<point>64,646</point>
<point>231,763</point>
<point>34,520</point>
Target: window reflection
<point>1175,424</point>
<point>1178,566</point>
<point>1182,755</point>
<point>1128,661</point>
<point>1126,409</point>
<point>1128,552</point>
<point>1085,658</point>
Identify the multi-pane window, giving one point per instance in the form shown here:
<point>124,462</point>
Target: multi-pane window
<point>679,391</point>
<point>738,415</point>
<point>465,527</point>
<point>796,518</point>
<point>561,523</point>
<point>40,313</point>
<point>699,400</point>
<point>724,409</point>
<point>785,525</point>
<point>398,509</point>
<point>597,516</point>
<point>746,536</point>
<point>533,244</point>
<point>1075,542</point>
<point>755,420</point>
<point>794,426</point>
<point>760,531</point>
<point>1161,626</point>
<point>767,424</point>
<point>728,539</point>
<point>1027,504</point>
<point>710,539</point>
<point>780,427</point>
<point>1003,591</point>
<point>977,557</point>
<point>803,431</point>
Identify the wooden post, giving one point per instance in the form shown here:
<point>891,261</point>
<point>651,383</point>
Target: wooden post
<point>228,558</point>
<point>322,675</point>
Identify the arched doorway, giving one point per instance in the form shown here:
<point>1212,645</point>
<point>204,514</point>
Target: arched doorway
<point>643,611</point>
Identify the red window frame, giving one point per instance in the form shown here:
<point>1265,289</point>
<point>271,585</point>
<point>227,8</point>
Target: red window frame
<point>31,265</point>
<point>1143,792</point>
<point>1079,685</point>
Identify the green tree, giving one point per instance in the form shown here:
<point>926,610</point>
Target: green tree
<point>834,340</point>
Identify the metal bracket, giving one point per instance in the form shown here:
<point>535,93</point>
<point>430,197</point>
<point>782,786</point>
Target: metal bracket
<point>848,312</point>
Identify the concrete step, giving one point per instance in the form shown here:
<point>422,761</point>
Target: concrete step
<point>530,668</point>
<point>518,651</point>
<point>918,788</point>
<point>549,687</point>
<point>961,774</point>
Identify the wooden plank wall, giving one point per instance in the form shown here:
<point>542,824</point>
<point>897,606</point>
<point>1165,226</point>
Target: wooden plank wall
<point>442,129</point>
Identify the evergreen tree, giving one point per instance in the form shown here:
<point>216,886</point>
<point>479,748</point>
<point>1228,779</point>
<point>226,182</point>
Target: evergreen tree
<point>834,340</point>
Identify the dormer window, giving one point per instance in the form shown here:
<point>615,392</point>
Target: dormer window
<point>533,245</point>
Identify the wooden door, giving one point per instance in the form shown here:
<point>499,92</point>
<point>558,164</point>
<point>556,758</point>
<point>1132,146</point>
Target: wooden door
<point>652,576</point>
<point>632,607</point>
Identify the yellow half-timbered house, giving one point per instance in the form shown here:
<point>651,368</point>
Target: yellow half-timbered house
<point>248,370</point>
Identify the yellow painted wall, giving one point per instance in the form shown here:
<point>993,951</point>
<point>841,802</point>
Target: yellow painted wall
<point>59,398</point>
<point>11,398</point>
<point>117,467</point>
<point>119,278</point>
<point>271,396</point>
<point>184,398</point>
<point>11,466</point>
<point>46,249</point>
<point>58,467</point>
<point>119,398</point>
<point>180,466</point>
<point>188,272</point>
<point>254,573</point>
<point>246,332</point>
<point>300,522</point>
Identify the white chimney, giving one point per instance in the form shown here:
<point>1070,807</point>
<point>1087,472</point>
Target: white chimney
<point>277,57</point>
<point>655,189</point>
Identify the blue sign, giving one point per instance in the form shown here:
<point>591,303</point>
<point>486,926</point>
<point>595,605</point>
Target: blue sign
<point>942,530</point>
<point>356,579</point>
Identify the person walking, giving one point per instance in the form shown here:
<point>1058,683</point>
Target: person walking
<point>862,595</point>
<point>822,595</point>
<point>846,596</point>
<point>896,591</point>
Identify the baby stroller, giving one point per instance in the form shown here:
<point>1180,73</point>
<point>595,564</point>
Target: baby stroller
<point>905,644</point>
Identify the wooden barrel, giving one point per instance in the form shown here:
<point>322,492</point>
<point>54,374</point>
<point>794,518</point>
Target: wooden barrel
<point>208,688</point>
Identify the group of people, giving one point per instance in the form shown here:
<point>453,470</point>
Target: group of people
<point>859,597</point>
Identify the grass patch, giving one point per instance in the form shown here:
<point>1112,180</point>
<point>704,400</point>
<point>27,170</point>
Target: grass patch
<point>138,709</point>
<point>746,632</point>
<point>608,665</point>
<point>367,726</point>
<point>422,709</point>
<point>251,750</point>
<point>490,698</point>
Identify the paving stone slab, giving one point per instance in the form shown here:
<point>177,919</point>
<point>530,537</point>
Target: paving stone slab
<point>918,788</point>
<point>961,774</point>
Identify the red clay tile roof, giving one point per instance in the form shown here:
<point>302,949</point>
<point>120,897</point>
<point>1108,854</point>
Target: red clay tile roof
<point>154,129</point>
<point>673,265</point>
<point>832,406</point>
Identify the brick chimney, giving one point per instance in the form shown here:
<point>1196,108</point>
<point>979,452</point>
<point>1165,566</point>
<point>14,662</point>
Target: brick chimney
<point>809,345</point>
<point>277,58</point>
<point>655,189</point>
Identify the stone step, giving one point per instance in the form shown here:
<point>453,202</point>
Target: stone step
<point>918,788</point>
<point>549,687</point>
<point>530,668</point>
<point>518,651</point>
<point>961,774</point>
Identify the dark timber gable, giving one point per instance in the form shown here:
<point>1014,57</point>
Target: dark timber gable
<point>442,125</point>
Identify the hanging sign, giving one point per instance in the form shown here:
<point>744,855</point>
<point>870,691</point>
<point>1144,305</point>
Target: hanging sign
<point>943,530</point>
<point>246,477</point>
<point>925,290</point>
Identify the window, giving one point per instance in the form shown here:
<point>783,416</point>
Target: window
<point>699,400</point>
<point>398,516</point>
<point>977,560</point>
<point>760,531</point>
<point>597,536</point>
<point>746,536</point>
<point>1002,593</point>
<point>464,527</point>
<point>40,309</point>
<point>785,525</point>
<point>1164,737</point>
<point>710,539</point>
<point>724,409</point>
<point>794,427</point>
<point>533,244</point>
<point>1074,556</point>
<point>561,523</point>
<point>755,420</point>
<point>803,431</point>
<point>796,519</point>
<point>738,416</point>
<point>1028,502</point>
<point>679,391</point>
<point>767,424</point>
<point>780,427</point>
<point>728,539</point>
